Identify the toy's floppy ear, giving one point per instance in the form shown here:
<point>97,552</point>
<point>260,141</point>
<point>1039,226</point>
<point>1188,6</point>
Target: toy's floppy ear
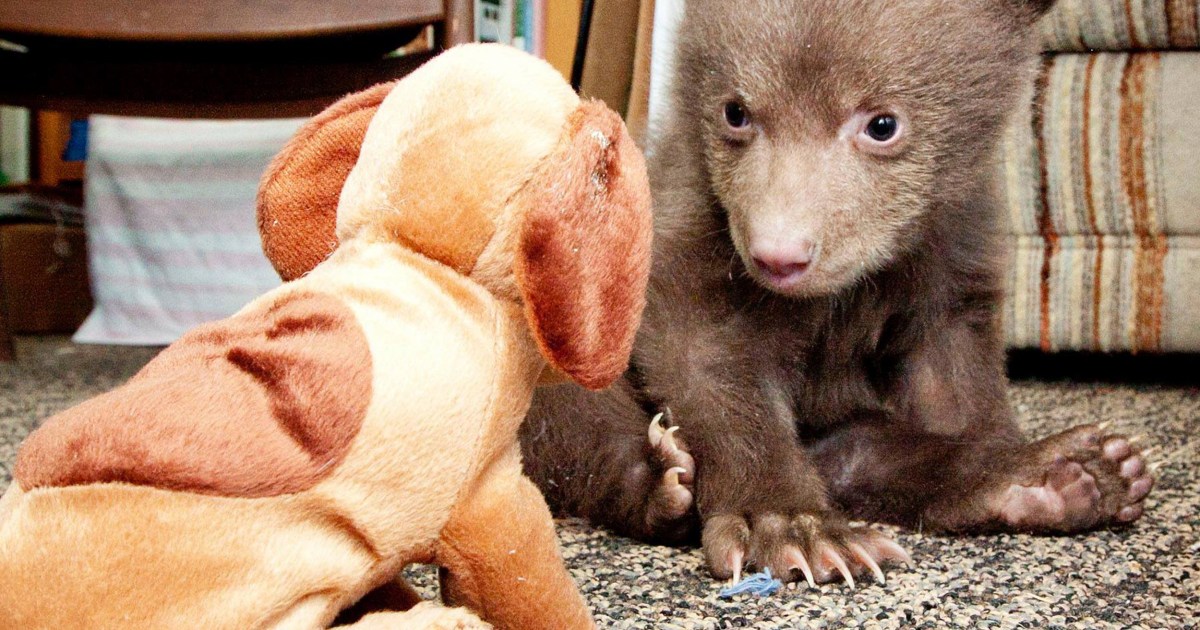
<point>298,196</point>
<point>583,257</point>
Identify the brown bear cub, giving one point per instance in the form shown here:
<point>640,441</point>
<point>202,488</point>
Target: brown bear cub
<point>822,321</point>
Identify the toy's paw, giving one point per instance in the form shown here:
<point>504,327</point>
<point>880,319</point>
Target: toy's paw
<point>1079,479</point>
<point>430,615</point>
<point>812,547</point>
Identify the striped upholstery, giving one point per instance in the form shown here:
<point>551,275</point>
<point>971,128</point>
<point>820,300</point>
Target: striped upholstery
<point>1101,177</point>
<point>1104,293</point>
<point>1121,25</point>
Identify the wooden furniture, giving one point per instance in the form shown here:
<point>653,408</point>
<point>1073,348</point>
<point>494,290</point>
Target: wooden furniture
<point>6,344</point>
<point>614,64</point>
<point>212,58</point>
<point>43,279</point>
<point>562,31</point>
<point>43,264</point>
<point>51,133</point>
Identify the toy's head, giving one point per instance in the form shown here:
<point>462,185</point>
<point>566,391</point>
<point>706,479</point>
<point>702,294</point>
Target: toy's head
<point>484,160</point>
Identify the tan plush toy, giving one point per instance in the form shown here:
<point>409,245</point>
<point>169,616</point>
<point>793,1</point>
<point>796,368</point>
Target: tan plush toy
<point>268,470</point>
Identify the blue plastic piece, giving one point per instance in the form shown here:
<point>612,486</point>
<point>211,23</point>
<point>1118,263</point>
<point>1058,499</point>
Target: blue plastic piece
<point>761,584</point>
<point>77,142</point>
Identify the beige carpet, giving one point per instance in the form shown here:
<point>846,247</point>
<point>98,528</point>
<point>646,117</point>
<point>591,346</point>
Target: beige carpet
<point>1146,576</point>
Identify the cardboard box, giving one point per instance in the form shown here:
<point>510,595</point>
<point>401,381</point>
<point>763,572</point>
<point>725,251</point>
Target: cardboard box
<point>43,278</point>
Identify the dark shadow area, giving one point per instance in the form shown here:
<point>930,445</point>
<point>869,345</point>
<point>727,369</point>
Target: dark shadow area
<point>1182,369</point>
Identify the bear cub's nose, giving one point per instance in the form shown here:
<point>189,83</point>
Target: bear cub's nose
<point>784,267</point>
<point>781,270</point>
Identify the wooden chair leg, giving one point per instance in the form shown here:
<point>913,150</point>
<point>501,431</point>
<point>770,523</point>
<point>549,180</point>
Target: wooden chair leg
<point>459,27</point>
<point>7,352</point>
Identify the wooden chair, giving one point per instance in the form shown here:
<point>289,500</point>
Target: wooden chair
<point>210,58</point>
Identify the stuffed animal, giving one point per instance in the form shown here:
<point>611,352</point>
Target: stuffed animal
<point>270,469</point>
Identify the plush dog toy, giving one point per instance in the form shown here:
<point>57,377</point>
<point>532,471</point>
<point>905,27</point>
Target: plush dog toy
<point>268,470</point>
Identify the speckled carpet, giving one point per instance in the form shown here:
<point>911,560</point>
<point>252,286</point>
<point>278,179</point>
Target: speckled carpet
<point>1146,576</point>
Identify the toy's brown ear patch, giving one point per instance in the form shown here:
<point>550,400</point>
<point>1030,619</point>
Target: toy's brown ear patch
<point>263,404</point>
<point>298,196</point>
<point>584,253</point>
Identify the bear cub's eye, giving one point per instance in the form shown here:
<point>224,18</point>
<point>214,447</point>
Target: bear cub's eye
<point>883,128</point>
<point>736,115</point>
<point>877,133</point>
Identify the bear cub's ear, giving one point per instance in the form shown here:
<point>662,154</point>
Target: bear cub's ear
<point>1037,7</point>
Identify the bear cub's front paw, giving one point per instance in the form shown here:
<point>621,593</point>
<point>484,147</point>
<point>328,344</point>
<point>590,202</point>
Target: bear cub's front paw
<point>812,547</point>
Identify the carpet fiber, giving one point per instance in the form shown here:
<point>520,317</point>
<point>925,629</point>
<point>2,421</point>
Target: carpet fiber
<point>1145,576</point>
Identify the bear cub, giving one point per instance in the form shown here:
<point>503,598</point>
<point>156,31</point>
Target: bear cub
<point>822,335</point>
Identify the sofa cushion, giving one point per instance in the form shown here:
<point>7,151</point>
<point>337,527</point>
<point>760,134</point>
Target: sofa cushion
<point>1103,293</point>
<point>1118,25</point>
<point>1110,145</point>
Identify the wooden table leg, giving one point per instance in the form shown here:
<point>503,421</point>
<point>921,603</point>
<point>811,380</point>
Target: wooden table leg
<point>6,342</point>
<point>459,27</point>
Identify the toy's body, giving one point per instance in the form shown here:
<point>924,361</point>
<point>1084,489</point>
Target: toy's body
<point>269,470</point>
<point>334,541</point>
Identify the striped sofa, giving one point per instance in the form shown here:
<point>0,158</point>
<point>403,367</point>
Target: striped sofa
<point>1102,178</point>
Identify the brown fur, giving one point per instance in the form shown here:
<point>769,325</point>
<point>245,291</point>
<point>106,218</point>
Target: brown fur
<point>872,387</point>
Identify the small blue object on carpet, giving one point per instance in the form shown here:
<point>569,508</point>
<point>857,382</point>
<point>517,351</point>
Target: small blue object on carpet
<point>761,584</point>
